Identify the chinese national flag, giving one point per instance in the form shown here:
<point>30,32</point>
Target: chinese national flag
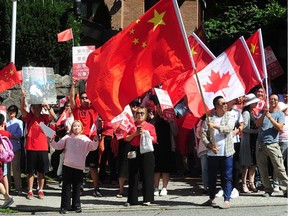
<point>65,35</point>
<point>149,51</point>
<point>9,77</point>
<point>231,74</point>
<point>255,44</point>
<point>201,55</point>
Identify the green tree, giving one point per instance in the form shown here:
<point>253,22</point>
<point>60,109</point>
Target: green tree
<point>227,20</point>
<point>38,23</point>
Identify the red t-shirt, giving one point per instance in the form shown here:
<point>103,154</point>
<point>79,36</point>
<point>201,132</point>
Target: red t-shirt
<point>36,139</point>
<point>146,126</point>
<point>107,129</point>
<point>87,116</point>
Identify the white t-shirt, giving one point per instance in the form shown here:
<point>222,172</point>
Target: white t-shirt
<point>219,140</point>
<point>236,114</point>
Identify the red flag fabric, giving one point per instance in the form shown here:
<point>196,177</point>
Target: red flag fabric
<point>9,77</point>
<point>201,55</point>
<point>65,35</point>
<point>62,118</point>
<point>149,51</point>
<point>231,74</point>
<point>255,44</point>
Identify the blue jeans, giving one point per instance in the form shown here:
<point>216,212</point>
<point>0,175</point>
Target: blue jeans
<point>204,170</point>
<point>225,165</point>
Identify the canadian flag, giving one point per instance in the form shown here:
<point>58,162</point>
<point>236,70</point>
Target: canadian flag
<point>255,44</point>
<point>232,74</point>
<point>62,101</point>
<point>123,123</point>
<point>65,35</point>
<point>62,118</point>
<point>201,55</point>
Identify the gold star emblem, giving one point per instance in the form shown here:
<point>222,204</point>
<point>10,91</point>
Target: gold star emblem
<point>136,41</point>
<point>144,44</point>
<point>157,19</point>
<point>11,72</point>
<point>193,51</point>
<point>132,31</point>
<point>252,48</point>
<point>137,21</point>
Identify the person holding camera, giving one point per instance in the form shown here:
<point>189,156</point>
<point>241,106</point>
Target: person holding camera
<point>140,162</point>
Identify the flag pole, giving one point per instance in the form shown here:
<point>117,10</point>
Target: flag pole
<point>193,65</point>
<point>13,32</point>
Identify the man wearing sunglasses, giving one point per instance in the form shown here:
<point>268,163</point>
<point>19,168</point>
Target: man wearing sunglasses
<point>85,112</point>
<point>217,135</point>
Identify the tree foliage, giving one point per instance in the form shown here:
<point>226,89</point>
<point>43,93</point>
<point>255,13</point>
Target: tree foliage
<point>38,23</point>
<point>228,20</point>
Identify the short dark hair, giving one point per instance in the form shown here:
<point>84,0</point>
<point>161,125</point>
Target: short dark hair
<point>216,99</point>
<point>1,99</point>
<point>14,107</point>
<point>2,119</point>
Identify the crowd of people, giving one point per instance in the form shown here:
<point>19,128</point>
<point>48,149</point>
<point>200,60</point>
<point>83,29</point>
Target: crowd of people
<point>238,139</point>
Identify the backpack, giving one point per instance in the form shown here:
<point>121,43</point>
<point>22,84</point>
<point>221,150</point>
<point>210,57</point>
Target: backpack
<point>6,150</point>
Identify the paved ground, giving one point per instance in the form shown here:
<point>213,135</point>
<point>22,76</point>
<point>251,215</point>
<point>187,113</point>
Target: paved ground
<point>183,193</point>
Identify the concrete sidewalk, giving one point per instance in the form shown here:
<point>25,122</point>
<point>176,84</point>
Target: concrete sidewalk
<point>182,193</point>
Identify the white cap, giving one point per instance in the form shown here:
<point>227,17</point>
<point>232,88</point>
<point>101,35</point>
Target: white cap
<point>250,99</point>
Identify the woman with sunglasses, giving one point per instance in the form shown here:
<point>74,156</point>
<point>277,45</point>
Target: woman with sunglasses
<point>142,162</point>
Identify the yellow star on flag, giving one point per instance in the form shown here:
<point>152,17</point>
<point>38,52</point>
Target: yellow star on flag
<point>136,41</point>
<point>11,72</point>
<point>193,51</point>
<point>157,19</point>
<point>252,48</point>
<point>132,31</point>
<point>144,44</point>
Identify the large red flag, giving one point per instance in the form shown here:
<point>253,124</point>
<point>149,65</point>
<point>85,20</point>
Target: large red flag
<point>201,55</point>
<point>255,44</point>
<point>65,35</point>
<point>149,51</point>
<point>231,74</point>
<point>9,77</point>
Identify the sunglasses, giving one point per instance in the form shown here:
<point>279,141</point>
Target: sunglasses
<point>84,98</point>
<point>224,103</point>
<point>140,113</point>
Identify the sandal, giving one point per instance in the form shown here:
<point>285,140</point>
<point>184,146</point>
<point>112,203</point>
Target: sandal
<point>120,195</point>
<point>252,187</point>
<point>245,188</point>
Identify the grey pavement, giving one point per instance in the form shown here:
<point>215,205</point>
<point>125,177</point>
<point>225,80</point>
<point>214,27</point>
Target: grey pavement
<point>184,193</point>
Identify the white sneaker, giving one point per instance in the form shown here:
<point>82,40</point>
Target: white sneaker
<point>220,193</point>
<point>163,192</point>
<point>276,188</point>
<point>234,193</point>
<point>156,192</point>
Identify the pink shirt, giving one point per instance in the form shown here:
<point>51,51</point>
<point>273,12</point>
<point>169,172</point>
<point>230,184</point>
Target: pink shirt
<point>76,149</point>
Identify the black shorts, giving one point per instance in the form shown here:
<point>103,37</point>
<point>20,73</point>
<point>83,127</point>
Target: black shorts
<point>92,159</point>
<point>37,161</point>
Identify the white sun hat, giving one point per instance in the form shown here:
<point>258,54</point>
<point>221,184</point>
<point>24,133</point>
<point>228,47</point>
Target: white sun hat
<point>250,99</point>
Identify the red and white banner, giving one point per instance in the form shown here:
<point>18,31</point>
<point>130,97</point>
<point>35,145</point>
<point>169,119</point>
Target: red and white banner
<point>79,57</point>
<point>165,103</point>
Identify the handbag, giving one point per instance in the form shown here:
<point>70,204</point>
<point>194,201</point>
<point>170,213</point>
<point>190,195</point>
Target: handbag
<point>131,154</point>
<point>146,143</point>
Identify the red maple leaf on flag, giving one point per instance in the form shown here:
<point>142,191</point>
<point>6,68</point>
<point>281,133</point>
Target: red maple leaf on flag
<point>217,82</point>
